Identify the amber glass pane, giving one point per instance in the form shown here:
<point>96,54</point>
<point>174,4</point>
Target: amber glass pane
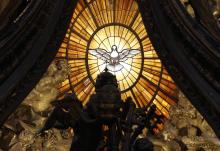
<point>100,25</point>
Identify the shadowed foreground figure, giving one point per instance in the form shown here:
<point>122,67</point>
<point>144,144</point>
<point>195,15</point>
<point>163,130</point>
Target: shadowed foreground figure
<point>106,123</point>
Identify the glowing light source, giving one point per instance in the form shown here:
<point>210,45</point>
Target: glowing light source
<point>111,33</point>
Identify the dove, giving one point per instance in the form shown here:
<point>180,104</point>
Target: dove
<point>114,58</point>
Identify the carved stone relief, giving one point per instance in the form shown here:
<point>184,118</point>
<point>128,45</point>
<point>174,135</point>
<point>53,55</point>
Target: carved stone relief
<point>186,129</point>
<point>20,130</point>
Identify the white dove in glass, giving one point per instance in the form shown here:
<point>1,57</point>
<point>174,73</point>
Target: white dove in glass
<point>114,58</point>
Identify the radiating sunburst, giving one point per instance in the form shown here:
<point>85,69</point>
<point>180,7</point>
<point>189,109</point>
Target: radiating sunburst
<point>106,38</point>
<point>102,24</point>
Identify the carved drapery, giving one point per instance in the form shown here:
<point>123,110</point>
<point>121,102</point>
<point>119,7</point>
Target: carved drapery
<point>27,46</point>
<point>189,52</point>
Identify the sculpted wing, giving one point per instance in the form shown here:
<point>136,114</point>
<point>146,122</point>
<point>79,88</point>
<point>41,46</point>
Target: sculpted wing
<point>100,53</point>
<point>126,53</point>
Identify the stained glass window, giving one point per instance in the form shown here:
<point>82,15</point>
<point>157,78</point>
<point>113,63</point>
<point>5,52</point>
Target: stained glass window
<point>111,34</point>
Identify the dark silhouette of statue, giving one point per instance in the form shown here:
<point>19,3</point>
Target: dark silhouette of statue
<point>106,122</point>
